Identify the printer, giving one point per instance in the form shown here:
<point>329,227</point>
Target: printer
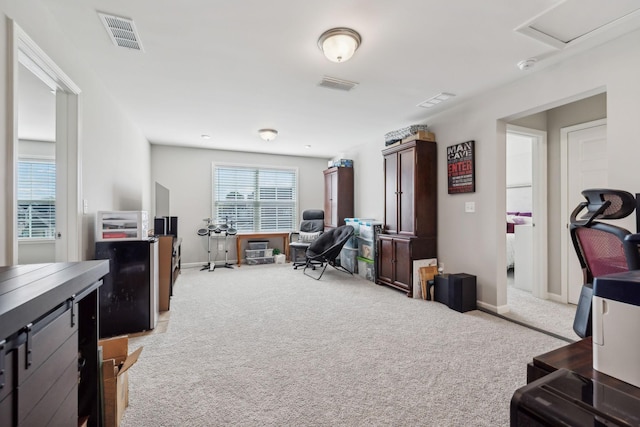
<point>616,326</point>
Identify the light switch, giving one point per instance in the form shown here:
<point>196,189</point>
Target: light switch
<point>85,206</point>
<point>470,207</point>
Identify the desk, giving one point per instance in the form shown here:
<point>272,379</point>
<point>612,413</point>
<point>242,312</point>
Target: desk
<point>576,357</point>
<point>267,235</point>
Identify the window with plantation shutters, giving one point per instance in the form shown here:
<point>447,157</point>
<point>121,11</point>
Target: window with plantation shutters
<point>255,199</point>
<point>36,199</point>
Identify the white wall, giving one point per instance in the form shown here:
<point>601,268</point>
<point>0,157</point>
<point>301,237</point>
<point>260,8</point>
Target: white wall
<point>186,172</point>
<point>114,153</point>
<point>474,243</point>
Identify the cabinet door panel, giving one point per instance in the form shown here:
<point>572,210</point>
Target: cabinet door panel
<point>7,410</point>
<point>385,260</point>
<point>406,184</point>
<point>327,199</point>
<point>403,263</point>
<point>334,199</point>
<point>391,192</point>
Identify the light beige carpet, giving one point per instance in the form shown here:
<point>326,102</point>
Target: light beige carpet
<point>268,346</point>
<point>547,315</point>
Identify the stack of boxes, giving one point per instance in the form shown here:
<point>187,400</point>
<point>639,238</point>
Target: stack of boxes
<point>259,253</point>
<point>340,163</point>
<point>359,254</point>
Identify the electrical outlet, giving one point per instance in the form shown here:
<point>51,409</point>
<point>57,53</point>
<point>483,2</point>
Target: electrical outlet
<point>85,206</point>
<point>470,207</point>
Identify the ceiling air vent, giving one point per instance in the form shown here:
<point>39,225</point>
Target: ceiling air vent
<point>338,84</point>
<point>122,31</point>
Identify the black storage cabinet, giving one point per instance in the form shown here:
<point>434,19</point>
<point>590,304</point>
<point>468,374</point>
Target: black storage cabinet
<point>49,367</point>
<point>128,296</point>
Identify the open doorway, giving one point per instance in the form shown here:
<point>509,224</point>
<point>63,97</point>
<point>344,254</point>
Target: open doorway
<point>519,215</point>
<point>526,233</point>
<point>36,169</point>
<point>54,155</point>
<point>549,310</point>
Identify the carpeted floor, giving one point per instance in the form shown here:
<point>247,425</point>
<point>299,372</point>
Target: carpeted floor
<point>268,346</point>
<point>551,316</point>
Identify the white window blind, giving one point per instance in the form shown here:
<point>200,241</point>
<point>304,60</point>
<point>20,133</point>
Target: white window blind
<point>255,199</point>
<point>36,199</point>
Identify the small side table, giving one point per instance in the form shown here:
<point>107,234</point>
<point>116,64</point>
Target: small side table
<point>457,291</point>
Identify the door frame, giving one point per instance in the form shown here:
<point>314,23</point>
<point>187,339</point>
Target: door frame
<point>539,200</point>
<point>23,50</point>
<point>564,200</point>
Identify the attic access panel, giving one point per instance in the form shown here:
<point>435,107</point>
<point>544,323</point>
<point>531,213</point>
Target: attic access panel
<point>571,21</point>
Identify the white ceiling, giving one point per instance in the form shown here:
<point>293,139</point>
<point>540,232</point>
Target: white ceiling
<point>227,69</point>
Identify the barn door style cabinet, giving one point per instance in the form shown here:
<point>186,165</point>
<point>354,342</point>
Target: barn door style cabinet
<point>410,200</point>
<point>338,196</point>
<point>49,363</point>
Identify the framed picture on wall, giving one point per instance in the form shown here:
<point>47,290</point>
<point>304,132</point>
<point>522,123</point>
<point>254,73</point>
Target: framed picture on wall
<point>461,170</point>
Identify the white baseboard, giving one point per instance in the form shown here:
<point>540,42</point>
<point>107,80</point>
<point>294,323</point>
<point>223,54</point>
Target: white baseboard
<point>556,298</point>
<point>493,308</point>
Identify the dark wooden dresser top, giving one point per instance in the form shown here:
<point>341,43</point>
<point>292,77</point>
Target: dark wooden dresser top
<point>38,288</point>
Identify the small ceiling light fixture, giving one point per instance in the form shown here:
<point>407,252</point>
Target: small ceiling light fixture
<point>527,64</point>
<point>339,44</point>
<point>205,136</point>
<point>435,100</point>
<point>268,134</point>
<point>307,146</point>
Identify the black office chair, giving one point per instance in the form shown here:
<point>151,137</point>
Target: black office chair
<point>311,226</point>
<point>602,248</point>
<point>326,248</point>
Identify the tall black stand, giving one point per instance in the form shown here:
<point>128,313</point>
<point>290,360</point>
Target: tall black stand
<point>226,252</point>
<point>210,265</point>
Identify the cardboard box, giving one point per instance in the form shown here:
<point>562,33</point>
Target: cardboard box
<point>116,361</point>
<point>422,135</point>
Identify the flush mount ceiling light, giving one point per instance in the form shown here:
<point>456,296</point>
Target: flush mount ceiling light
<point>435,100</point>
<point>339,44</point>
<point>268,134</point>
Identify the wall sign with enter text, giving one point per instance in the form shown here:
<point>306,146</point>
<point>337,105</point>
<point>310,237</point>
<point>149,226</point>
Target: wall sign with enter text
<point>461,168</point>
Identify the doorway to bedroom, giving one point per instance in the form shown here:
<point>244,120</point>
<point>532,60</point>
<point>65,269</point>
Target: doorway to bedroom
<point>519,215</point>
<point>526,234</point>
<point>547,310</point>
<point>526,210</point>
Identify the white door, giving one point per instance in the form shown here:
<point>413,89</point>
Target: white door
<point>586,168</point>
<point>535,190</point>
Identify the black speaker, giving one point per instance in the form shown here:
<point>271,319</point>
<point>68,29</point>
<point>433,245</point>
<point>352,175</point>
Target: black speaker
<point>166,225</point>
<point>462,292</point>
<point>457,291</point>
<point>441,289</point>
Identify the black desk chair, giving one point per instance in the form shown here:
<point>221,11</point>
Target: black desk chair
<point>326,248</point>
<point>311,227</point>
<point>602,248</point>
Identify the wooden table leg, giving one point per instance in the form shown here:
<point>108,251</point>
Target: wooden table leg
<point>285,246</point>
<point>238,245</point>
